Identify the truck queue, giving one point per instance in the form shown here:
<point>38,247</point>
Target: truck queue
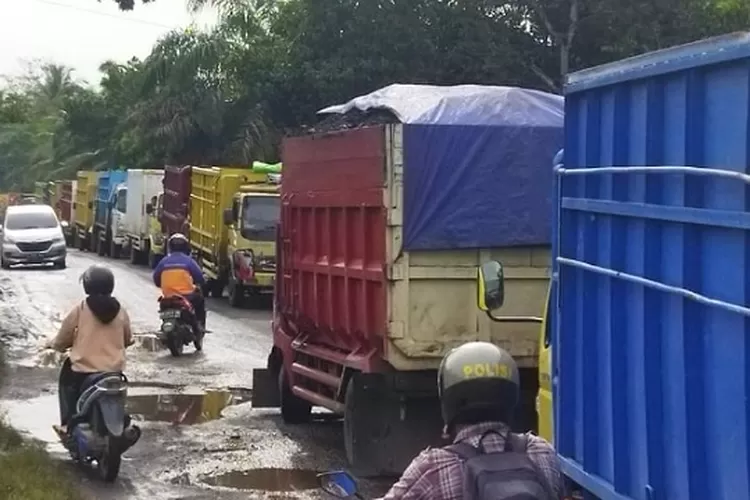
<point>631,252</point>
<point>229,213</point>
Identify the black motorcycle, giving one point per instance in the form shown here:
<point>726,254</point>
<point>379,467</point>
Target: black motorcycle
<point>178,325</point>
<point>100,430</point>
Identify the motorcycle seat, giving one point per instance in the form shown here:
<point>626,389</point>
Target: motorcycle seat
<point>96,377</point>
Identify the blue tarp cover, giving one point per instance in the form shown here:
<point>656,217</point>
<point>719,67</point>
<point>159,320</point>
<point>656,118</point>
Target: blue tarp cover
<point>477,162</point>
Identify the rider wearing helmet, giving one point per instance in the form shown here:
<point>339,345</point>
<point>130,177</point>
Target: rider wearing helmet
<point>97,332</point>
<point>179,274</point>
<point>478,386</point>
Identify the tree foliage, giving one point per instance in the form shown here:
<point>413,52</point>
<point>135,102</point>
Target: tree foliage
<point>227,95</point>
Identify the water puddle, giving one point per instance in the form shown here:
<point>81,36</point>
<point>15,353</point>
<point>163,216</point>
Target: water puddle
<point>265,479</point>
<point>183,408</point>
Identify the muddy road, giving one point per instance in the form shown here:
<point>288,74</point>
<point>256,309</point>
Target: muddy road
<point>201,437</point>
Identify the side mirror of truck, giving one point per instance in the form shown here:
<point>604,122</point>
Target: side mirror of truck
<point>149,209</point>
<point>228,216</point>
<point>490,286</point>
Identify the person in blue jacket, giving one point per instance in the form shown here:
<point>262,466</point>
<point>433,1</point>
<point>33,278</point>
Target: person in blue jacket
<point>179,274</point>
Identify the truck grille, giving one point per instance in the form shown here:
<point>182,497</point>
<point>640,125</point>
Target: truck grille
<point>37,246</point>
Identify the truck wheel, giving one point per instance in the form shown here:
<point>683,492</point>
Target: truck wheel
<point>115,250</point>
<point>294,410</point>
<point>153,260</point>
<point>216,289</point>
<point>236,294</point>
<point>134,255</point>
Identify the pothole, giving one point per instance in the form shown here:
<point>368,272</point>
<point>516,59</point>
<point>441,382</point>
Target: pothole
<point>265,479</point>
<point>183,408</point>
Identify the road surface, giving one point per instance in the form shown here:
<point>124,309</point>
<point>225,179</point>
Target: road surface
<point>201,439</point>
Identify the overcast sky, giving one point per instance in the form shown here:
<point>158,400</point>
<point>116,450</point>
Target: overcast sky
<point>84,33</point>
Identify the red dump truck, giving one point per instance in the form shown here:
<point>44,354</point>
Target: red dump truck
<point>172,210</point>
<point>382,229</point>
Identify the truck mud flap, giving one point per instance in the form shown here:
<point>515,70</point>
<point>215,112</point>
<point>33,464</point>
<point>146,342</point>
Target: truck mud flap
<point>384,428</point>
<point>265,389</point>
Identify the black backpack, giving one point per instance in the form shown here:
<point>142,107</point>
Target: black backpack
<point>506,475</point>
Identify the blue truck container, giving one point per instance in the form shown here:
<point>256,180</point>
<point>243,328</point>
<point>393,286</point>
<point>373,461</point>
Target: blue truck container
<point>650,329</point>
<point>107,182</point>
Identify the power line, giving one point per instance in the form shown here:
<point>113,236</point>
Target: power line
<point>106,14</point>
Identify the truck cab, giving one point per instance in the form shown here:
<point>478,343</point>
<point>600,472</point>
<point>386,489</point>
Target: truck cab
<point>116,219</point>
<point>154,211</point>
<point>251,249</point>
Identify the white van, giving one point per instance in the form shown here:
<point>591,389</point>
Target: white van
<point>32,235</point>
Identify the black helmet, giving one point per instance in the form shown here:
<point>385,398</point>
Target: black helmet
<point>178,242</point>
<point>98,280</point>
<point>478,382</point>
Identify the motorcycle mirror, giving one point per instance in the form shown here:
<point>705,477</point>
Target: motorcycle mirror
<point>339,484</point>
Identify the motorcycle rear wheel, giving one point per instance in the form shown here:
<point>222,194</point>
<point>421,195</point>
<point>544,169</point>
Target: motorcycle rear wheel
<point>175,346</point>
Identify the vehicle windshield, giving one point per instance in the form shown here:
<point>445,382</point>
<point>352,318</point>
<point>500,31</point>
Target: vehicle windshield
<point>260,214</point>
<point>30,220</point>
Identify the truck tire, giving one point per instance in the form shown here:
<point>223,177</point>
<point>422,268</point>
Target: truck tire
<point>153,260</point>
<point>101,250</point>
<point>236,294</point>
<point>294,410</point>
<point>115,250</point>
<point>216,288</point>
<point>135,255</point>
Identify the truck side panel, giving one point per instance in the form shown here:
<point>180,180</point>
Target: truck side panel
<point>652,329</point>
<point>211,192</point>
<point>142,185</point>
<point>106,184</point>
<point>85,194</point>
<point>64,198</point>
<point>348,281</point>
<point>175,204</point>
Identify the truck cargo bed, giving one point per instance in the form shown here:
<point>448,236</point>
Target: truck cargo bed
<point>651,336</point>
<point>347,277</point>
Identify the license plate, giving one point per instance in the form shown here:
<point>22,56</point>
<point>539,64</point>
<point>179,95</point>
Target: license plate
<point>171,314</point>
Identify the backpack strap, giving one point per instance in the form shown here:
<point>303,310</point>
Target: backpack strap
<point>463,450</point>
<point>467,451</point>
<point>516,443</point>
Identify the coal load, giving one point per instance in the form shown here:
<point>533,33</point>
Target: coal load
<point>352,119</point>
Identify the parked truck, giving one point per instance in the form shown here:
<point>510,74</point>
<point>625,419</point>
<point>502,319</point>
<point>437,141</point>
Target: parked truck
<point>173,208</point>
<point>61,198</point>
<point>85,196</point>
<point>251,245</point>
<point>156,241</point>
<point>109,232</point>
<point>217,195</point>
<point>648,312</point>
<point>42,192</point>
<point>381,230</point>
<point>142,187</point>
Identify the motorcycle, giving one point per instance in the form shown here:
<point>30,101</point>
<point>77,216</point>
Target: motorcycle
<point>339,484</point>
<point>177,325</point>
<point>100,430</point>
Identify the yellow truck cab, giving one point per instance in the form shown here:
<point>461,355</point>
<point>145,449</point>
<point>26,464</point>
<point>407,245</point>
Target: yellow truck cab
<point>490,298</point>
<point>251,249</point>
<point>544,397</point>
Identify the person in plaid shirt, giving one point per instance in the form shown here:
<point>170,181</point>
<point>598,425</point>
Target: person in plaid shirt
<point>479,389</point>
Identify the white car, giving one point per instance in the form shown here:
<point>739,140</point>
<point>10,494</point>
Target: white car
<point>32,235</point>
